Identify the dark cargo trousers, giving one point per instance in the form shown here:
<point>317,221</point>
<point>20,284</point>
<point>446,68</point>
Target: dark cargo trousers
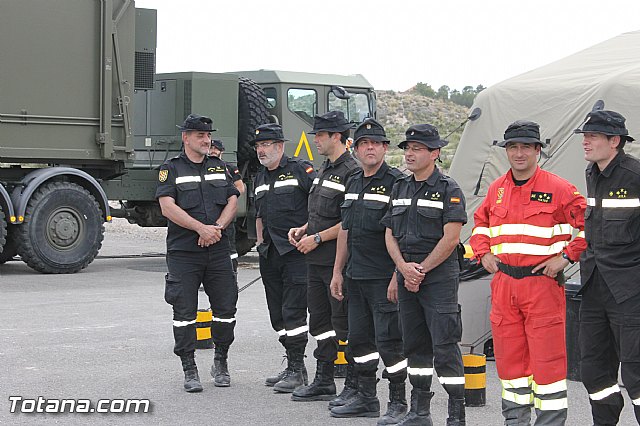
<point>285,284</point>
<point>212,269</point>
<point>328,321</point>
<point>431,329</point>
<point>374,330</point>
<point>609,339</point>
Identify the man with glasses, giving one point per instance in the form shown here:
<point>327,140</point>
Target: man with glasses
<point>281,190</point>
<point>522,233</point>
<point>423,230</point>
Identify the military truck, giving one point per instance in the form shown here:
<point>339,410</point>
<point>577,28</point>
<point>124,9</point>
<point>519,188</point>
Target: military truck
<point>85,123</point>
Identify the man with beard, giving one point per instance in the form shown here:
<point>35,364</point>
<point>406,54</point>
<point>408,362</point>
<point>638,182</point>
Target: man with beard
<point>199,203</point>
<point>281,191</point>
<point>317,239</point>
<point>374,330</point>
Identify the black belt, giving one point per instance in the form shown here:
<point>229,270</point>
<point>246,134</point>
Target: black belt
<point>520,272</point>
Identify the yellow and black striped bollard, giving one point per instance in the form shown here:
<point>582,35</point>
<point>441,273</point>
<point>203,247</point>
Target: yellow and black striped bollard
<point>475,380</point>
<point>204,320</point>
<point>340,364</point>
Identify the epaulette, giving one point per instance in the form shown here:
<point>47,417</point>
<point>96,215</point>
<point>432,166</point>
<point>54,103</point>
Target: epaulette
<point>631,163</point>
<point>305,164</point>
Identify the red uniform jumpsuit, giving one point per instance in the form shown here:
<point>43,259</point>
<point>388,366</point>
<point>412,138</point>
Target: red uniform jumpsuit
<point>524,226</point>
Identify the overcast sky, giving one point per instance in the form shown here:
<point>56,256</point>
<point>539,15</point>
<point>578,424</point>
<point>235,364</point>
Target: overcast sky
<point>393,43</point>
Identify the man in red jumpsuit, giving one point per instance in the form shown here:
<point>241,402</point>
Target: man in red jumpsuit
<point>522,233</point>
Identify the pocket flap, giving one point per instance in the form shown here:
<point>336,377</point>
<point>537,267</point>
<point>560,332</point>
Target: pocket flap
<point>545,322</point>
<point>539,209</point>
<point>448,308</point>
<point>346,204</point>
<point>499,211</point>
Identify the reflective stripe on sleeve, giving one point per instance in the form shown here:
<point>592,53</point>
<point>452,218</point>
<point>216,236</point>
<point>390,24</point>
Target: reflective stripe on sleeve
<point>580,234</point>
<point>288,182</point>
<point>597,396</point>
<point>337,186</point>
<point>525,399</point>
<point>316,181</point>
<point>591,202</point>
<point>366,358</point>
<point>451,380</point>
<point>420,371</point>
<point>376,197</point>
<point>520,382</point>
<point>636,401</point>
<point>401,202</point>
<point>481,230</point>
<point>397,367</point>
<point>555,387</point>
<point>299,330</point>
<point>429,203</point>
<point>326,335</point>
<point>183,323</point>
<point>282,332</point>
<point>234,256</point>
<point>620,203</point>
<point>550,404</point>
<point>351,196</point>
<point>187,179</point>
<point>215,176</point>
<point>261,188</point>
<point>532,249</point>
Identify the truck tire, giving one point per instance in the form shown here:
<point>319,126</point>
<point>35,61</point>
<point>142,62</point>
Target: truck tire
<point>252,112</point>
<point>10,247</point>
<point>3,230</point>
<point>243,243</point>
<point>62,230</point>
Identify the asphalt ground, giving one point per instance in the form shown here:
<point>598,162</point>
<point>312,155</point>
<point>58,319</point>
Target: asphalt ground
<point>105,333</point>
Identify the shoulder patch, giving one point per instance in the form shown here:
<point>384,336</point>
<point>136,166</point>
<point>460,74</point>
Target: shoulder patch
<point>163,175</point>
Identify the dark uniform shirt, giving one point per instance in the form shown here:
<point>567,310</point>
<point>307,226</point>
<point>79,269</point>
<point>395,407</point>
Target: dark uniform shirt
<point>233,173</point>
<point>200,189</point>
<point>325,198</point>
<point>612,225</point>
<point>365,203</point>
<point>281,200</point>
<point>419,211</point>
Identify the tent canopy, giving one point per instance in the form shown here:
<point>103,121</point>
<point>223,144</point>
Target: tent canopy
<point>557,96</point>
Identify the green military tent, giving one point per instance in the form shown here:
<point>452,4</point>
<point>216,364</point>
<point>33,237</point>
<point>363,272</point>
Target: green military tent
<point>557,96</point>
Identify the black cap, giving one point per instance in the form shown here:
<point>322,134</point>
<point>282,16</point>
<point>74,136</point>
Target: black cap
<point>198,123</point>
<point>217,143</point>
<point>371,129</point>
<point>333,121</point>
<point>426,134</point>
<point>522,131</point>
<point>268,132</point>
<point>608,123</point>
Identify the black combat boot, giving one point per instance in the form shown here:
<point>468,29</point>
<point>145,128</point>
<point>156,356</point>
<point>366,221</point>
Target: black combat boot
<point>272,380</point>
<point>456,412</point>
<point>296,373</point>
<point>350,388</point>
<point>323,387</point>
<point>220,369</point>
<point>191,378</point>
<point>397,406</point>
<point>365,403</point>
<point>420,413</point>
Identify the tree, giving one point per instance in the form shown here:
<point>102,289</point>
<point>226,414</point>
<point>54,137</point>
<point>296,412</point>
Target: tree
<point>443,92</point>
<point>425,89</point>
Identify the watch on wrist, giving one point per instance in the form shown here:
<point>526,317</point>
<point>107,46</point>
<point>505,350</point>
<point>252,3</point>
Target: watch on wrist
<point>317,239</point>
<point>566,256</point>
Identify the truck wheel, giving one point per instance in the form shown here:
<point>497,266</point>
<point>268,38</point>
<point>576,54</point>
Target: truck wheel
<point>62,230</point>
<point>10,248</point>
<point>252,112</point>
<point>3,230</point>
<point>243,242</point>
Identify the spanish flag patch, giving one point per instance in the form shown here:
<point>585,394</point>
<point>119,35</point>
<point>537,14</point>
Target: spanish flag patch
<point>309,169</point>
<point>455,200</point>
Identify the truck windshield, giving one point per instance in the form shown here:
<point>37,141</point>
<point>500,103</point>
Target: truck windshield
<point>355,109</point>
